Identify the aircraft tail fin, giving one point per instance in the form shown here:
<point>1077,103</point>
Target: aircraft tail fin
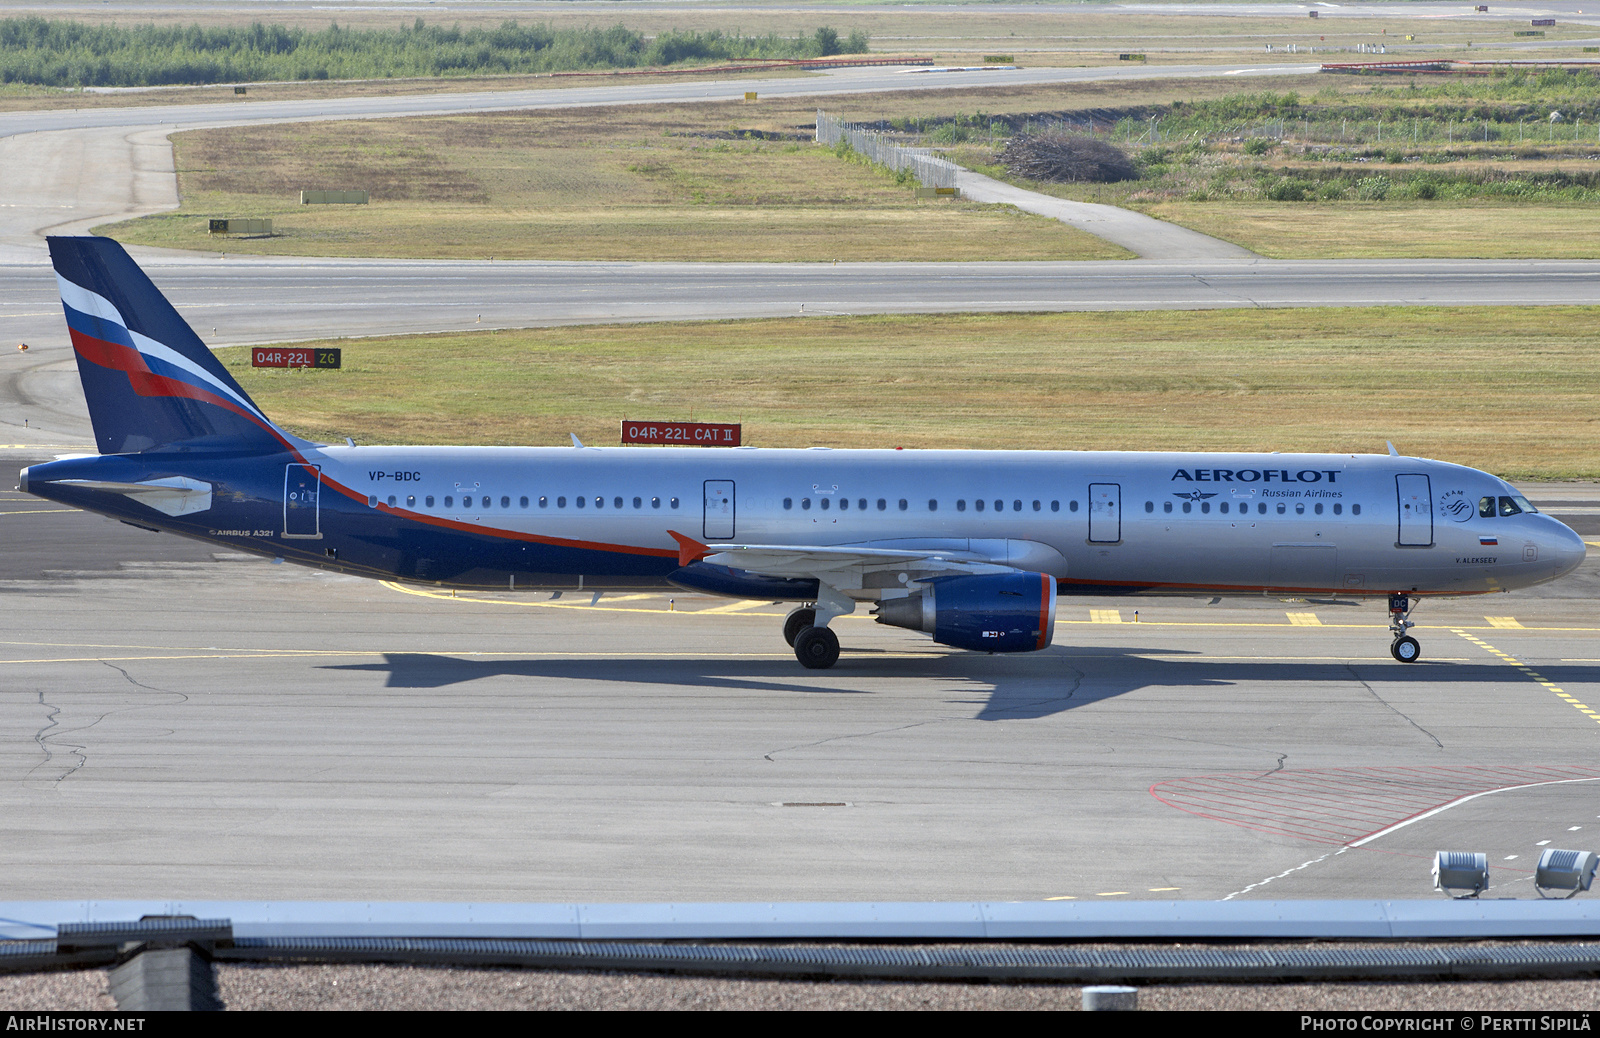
<point>149,381</point>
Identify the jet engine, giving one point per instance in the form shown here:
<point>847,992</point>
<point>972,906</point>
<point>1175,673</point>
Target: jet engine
<point>992,612</point>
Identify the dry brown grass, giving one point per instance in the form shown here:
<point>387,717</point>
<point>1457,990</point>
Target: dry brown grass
<point>706,182</point>
<point>1514,390</point>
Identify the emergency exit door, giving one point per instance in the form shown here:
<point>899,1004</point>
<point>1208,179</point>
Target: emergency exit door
<point>1416,510</point>
<point>719,510</point>
<point>1105,512</point>
<point>301,495</point>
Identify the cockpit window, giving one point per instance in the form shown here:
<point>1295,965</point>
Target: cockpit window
<point>1524,503</point>
<point>1485,508</point>
<point>1509,506</point>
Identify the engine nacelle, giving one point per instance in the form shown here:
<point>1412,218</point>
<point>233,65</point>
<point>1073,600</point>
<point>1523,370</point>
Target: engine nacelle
<point>995,612</point>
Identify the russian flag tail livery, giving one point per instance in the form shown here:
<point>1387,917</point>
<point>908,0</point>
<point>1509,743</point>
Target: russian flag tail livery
<point>149,380</point>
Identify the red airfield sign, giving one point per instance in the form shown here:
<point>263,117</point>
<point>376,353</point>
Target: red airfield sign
<point>682,434</point>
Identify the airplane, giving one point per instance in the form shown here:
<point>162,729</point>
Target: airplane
<point>970,547</point>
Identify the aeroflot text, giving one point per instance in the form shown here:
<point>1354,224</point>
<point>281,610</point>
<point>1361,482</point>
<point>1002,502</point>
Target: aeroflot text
<point>1464,1022</point>
<point>1256,475</point>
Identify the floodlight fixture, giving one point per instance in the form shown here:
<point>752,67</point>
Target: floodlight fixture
<point>1461,870</point>
<point>1564,870</point>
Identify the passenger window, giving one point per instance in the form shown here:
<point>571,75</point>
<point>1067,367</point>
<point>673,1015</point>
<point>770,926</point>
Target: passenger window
<point>1055,506</point>
<point>1188,506</point>
<point>1281,507</point>
<point>1166,506</point>
<point>1338,509</point>
<point>449,501</point>
<point>544,502</point>
<point>1072,506</point>
<point>844,504</point>
<point>933,504</point>
<point>1299,508</point>
<point>616,502</point>
<point>788,503</point>
<point>1149,506</point>
<point>903,504</point>
<point>411,500</point>
<point>673,503</point>
<point>999,506</point>
<point>428,500</point>
<point>655,502</point>
<point>522,502</point>
<point>862,504</point>
<point>882,505</point>
<point>825,504</point>
<point>577,502</point>
<point>1261,509</point>
<point>1485,508</point>
<point>391,500</point>
<point>1355,509</point>
<point>1318,508</point>
<point>1036,506</point>
<point>599,502</point>
<point>961,504</point>
<point>1509,507</point>
<point>505,502</point>
<point>1016,506</point>
<point>372,500</point>
<point>1205,507</point>
<point>978,504</point>
<point>638,502</point>
<point>561,502</point>
<point>1224,505</point>
<point>805,504</point>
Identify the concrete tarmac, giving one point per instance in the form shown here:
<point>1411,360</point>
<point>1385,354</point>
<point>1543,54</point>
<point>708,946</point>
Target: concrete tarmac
<point>177,721</point>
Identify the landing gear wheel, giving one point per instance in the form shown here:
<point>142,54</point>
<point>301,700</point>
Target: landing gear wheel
<point>817,648</point>
<point>798,621</point>
<point>1406,649</point>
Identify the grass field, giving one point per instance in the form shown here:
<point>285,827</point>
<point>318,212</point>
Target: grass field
<point>704,182</point>
<point>1417,229</point>
<point>1512,390</point>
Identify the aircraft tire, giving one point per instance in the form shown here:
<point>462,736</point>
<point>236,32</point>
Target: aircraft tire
<point>798,620</point>
<point>1406,650</point>
<point>817,648</point>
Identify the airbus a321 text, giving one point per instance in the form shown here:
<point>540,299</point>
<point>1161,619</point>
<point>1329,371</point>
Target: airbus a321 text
<point>970,547</point>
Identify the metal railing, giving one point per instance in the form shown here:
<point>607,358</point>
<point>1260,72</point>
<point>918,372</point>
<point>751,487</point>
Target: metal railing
<point>929,169</point>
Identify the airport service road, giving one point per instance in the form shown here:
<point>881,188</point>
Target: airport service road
<point>175,722</point>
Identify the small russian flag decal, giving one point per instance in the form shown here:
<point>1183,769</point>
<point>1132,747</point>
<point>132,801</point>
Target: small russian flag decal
<point>1489,540</point>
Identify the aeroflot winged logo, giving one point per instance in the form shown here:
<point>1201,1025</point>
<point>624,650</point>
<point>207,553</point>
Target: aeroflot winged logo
<point>101,335</point>
<point>1194,495</point>
<point>1257,475</point>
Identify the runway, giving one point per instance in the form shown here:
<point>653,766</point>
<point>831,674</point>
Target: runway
<point>222,727</point>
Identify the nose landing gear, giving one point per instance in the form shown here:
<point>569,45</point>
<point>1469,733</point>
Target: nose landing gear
<point>1405,648</point>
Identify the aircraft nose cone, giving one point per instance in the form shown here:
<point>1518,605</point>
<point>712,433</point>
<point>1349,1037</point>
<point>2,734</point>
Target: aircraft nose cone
<point>1567,549</point>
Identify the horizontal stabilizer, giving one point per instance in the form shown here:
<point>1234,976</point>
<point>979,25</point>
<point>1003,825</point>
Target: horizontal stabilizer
<point>174,495</point>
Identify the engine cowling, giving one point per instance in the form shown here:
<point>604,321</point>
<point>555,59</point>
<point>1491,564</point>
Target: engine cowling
<point>992,612</point>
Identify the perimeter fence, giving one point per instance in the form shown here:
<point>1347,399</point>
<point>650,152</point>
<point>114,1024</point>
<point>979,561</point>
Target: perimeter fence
<point>929,169</point>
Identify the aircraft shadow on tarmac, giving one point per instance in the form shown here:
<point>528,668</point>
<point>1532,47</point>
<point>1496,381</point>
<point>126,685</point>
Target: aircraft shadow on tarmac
<point>1002,688</point>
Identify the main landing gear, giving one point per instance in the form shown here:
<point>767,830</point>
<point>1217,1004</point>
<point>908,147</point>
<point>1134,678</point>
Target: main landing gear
<point>806,628</point>
<point>1405,648</point>
<point>817,648</point>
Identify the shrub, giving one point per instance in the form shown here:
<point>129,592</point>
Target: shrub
<point>1373,189</point>
<point>1257,146</point>
<point>1288,189</point>
<point>1057,157</point>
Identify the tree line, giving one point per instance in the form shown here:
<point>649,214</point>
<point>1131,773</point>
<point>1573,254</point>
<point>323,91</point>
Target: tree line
<point>63,53</point>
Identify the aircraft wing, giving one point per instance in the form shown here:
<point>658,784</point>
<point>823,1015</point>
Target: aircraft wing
<point>836,564</point>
